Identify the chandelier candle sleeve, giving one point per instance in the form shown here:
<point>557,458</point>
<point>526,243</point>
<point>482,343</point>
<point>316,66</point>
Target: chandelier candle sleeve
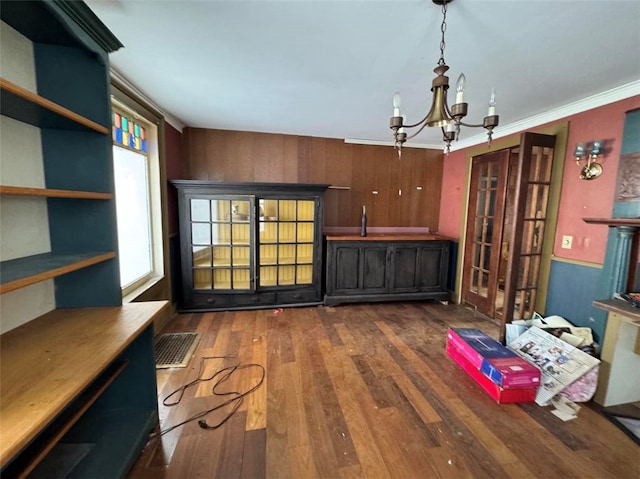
<point>460,88</point>
<point>492,103</point>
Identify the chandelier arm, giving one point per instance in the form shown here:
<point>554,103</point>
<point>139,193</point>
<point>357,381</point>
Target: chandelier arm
<point>470,125</point>
<point>416,124</point>
<point>417,132</point>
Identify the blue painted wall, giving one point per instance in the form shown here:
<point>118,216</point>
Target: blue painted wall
<point>572,288</point>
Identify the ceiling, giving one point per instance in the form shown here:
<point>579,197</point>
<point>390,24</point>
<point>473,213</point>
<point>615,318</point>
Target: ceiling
<point>330,68</point>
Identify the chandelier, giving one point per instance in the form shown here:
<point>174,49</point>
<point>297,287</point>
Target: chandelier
<point>440,115</point>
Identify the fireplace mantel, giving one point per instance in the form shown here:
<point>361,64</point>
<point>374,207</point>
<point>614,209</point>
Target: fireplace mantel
<point>613,221</point>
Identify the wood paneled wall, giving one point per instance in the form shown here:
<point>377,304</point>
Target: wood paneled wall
<point>408,189</point>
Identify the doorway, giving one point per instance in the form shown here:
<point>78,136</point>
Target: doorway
<point>507,217</point>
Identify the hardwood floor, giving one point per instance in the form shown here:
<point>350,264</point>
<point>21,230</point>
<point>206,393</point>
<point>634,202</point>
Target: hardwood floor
<point>363,391</point>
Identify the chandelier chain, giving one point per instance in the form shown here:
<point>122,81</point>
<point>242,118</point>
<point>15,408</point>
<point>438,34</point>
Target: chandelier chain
<point>443,28</point>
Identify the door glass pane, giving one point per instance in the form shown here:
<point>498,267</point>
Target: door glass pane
<point>241,279</point>
<point>305,210</point>
<point>542,162</point>
<point>286,275</point>
<point>286,232</point>
<point>304,274</point>
<point>240,256</point>
<point>269,209</point>
<point>220,210</point>
<point>268,276</point>
<point>305,253</point>
<point>286,210</point>
<point>268,232</point>
<point>222,278</point>
<point>221,233</point>
<point>221,256</point>
<point>199,210</point>
<point>200,233</point>
<point>202,278</point>
<point>305,232</point>
<point>268,254</point>
<point>201,256</point>
<point>287,254</point>
<point>241,233</point>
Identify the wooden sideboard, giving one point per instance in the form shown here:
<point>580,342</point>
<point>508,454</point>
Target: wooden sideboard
<point>386,267</point>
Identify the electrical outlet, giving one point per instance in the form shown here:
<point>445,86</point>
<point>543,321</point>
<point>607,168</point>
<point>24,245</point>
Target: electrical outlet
<point>567,241</point>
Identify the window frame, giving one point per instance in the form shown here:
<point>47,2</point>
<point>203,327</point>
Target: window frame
<point>123,103</point>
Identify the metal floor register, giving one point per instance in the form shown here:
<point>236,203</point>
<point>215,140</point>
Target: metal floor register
<point>175,350</point>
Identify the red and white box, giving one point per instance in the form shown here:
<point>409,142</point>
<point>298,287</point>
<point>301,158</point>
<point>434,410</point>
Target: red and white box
<point>499,394</point>
<point>511,373</point>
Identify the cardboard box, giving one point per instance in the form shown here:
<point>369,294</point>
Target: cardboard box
<point>500,395</point>
<point>475,345</point>
<point>511,373</point>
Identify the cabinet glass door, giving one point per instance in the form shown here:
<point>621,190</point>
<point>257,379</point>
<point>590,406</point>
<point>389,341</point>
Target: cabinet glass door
<point>286,242</point>
<point>221,232</point>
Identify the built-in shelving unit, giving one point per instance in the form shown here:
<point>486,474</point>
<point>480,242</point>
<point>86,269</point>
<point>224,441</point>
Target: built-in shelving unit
<point>79,379</point>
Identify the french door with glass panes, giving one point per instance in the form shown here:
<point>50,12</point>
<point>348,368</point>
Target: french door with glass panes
<point>506,226</point>
<point>249,250</point>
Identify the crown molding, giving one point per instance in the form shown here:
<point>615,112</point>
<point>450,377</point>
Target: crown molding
<point>168,117</point>
<point>600,99</point>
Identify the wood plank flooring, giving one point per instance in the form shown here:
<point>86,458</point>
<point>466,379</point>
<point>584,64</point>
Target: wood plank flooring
<point>363,391</point>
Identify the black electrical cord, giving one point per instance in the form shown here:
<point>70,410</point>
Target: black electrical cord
<point>224,374</point>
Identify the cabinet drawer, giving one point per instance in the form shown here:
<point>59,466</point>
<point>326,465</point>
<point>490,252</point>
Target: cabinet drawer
<point>208,301</point>
<point>294,297</point>
<point>254,299</point>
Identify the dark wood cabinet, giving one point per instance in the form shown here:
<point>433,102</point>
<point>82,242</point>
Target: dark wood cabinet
<point>379,269</point>
<point>250,245</point>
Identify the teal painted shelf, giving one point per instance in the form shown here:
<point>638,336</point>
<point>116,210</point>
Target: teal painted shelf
<point>21,272</point>
<point>28,107</point>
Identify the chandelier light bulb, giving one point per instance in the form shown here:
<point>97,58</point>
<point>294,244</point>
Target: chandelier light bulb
<point>492,103</point>
<point>397,102</point>
<point>451,126</point>
<point>460,88</point>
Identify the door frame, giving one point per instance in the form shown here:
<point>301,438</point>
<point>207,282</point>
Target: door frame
<point>561,132</point>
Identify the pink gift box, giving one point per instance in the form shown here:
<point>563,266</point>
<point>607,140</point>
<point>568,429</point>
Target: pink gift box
<point>500,395</point>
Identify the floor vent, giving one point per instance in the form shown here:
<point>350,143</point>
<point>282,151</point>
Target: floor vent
<point>175,350</point>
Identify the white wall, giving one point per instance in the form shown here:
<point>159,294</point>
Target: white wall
<point>24,225</point>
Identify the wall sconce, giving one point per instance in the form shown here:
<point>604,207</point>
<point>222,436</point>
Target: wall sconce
<point>589,151</point>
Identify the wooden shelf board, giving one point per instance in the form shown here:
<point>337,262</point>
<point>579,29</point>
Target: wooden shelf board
<point>46,363</point>
<point>22,272</point>
<point>53,193</point>
<point>28,107</point>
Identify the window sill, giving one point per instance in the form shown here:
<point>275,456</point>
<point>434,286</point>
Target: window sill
<point>143,288</point>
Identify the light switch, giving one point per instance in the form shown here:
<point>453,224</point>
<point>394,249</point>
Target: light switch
<point>567,241</point>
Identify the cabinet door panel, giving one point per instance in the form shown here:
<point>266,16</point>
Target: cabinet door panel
<point>347,261</point>
<point>431,266</point>
<point>374,276</point>
<point>405,261</point>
